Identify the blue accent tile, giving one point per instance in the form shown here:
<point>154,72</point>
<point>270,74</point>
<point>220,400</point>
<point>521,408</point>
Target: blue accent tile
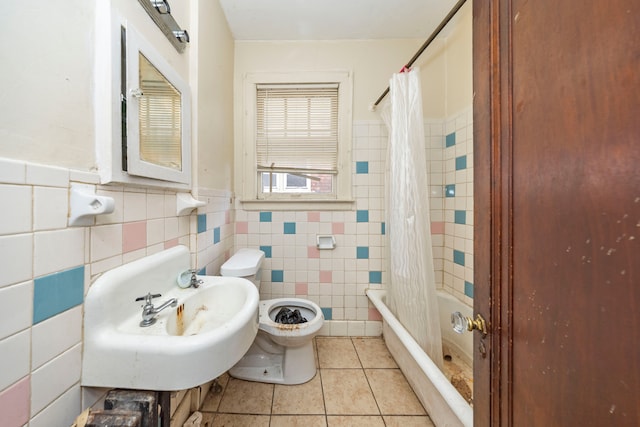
<point>460,217</point>
<point>458,257</point>
<point>450,190</point>
<point>57,292</point>
<point>362,167</point>
<point>383,228</point>
<point>277,276</point>
<point>265,216</point>
<point>362,252</point>
<point>289,228</point>
<point>461,163</point>
<point>266,250</point>
<point>202,271</point>
<point>450,140</point>
<point>375,277</point>
<point>216,235</point>
<point>202,223</point>
<point>362,216</point>
<point>327,313</point>
<point>468,289</point>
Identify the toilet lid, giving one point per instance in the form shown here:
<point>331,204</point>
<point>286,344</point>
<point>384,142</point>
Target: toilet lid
<point>245,262</point>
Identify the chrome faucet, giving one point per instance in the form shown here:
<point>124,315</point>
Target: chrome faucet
<point>194,283</point>
<point>149,311</point>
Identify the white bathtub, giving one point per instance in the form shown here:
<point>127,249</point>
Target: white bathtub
<point>441,400</point>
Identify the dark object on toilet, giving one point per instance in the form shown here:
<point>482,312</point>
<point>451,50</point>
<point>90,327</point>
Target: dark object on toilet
<point>289,317</point>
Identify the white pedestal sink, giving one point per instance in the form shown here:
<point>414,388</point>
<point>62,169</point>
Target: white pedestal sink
<point>208,331</point>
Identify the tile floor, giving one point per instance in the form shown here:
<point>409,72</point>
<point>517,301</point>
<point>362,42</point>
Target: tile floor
<point>358,384</point>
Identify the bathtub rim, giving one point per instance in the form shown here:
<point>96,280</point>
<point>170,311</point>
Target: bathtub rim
<point>456,402</point>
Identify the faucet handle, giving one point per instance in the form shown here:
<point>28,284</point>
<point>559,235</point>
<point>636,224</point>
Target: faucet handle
<point>147,298</point>
<point>194,280</point>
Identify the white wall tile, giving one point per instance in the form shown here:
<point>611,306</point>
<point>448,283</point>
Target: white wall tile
<point>15,358</point>
<point>54,378</point>
<point>106,241</point>
<point>17,219</point>
<point>12,172</point>
<point>135,206</point>
<point>155,206</point>
<point>16,306</point>
<point>62,411</point>
<point>16,258</point>
<point>47,175</point>
<point>50,208</point>
<point>155,231</point>
<point>55,335</point>
<point>58,250</point>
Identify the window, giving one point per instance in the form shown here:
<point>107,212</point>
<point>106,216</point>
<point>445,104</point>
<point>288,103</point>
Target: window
<point>297,139</point>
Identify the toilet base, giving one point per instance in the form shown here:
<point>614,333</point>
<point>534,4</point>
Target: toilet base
<point>268,362</point>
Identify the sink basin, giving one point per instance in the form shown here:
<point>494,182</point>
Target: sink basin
<point>208,331</point>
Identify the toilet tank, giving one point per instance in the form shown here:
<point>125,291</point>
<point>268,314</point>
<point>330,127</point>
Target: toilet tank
<point>245,263</point>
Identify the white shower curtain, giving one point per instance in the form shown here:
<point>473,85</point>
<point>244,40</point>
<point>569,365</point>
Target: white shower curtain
<point>411,293</point>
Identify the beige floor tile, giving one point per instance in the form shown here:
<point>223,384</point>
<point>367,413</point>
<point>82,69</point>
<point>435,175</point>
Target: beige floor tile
<point>393,393</point>
<point>346,392</point>
<point>298,421</point>
<point>212,399</point>
<point>354,421</point>
<point>337,353</point>
<point>299,399</point>
<point>238,420</point>
<point>373,353</point>
<point>408,421</point>
<point>246,397</point>
<point>207,419</point>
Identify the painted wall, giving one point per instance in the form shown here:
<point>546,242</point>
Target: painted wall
<point>372,63</point>
<point>46,101</point>
<point>213,51</point>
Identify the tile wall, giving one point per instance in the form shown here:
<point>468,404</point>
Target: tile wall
<point>47,267</point>
<point>336,279</point>
<point>457,247</point>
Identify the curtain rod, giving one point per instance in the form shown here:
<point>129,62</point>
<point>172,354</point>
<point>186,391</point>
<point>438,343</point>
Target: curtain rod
<point>426,44</point>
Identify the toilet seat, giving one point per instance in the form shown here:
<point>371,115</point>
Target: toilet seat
<point>310,310</point>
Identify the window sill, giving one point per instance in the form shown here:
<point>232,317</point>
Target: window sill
<point>298,205</point>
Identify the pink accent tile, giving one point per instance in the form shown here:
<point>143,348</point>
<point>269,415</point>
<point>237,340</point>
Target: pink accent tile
<point>227,217</point>
<point>337,228</point>
<point>374,314</point>
<point>313,252</point>
<point>437,227</point>
<point>171,243</point>
<point>325,276</point>
<point>242,227</point>
<point>313,216</point>
<point>302,289</point>
<point>14,403</point>
<point>134,236</point>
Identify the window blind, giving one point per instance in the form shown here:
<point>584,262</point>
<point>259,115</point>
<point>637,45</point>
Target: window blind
<point>297,128</point>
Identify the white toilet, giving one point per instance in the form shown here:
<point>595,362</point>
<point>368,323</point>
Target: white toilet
<point>281,353</point>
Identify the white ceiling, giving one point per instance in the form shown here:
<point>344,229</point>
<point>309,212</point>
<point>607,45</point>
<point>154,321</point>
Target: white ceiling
<point>333,19</point>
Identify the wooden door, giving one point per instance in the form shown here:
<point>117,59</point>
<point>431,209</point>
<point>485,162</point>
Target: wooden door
<point>557,202</point>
